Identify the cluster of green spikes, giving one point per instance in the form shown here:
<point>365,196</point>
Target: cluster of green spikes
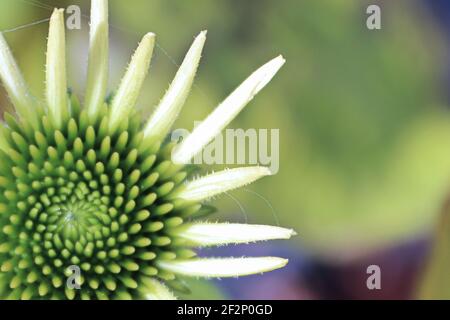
<point>80,196</point>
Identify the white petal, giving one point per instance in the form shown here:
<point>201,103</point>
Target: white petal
<point>170,106</point>
<point>222,267</point>
<point>97,79</point>
<point>156,290</point>
<point>130,86</point>
<point>209,234</point>
<point>56,82</point>
<point>222,181</point>
<point>15,85</point>
<point>226,112</point>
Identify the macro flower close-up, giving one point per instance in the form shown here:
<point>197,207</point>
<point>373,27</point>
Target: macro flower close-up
<point>236,157</point>
<point>93,184</point>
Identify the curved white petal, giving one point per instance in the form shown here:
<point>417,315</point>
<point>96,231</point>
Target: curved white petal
<point>56,81</point>
<point>222,267</point>
<point>210,234</point>
<point>130,86</point>
<point>220,182</point>
<point>97,80</point>
<point>226,112</point>
<point>15,84</point>
<point>156,290</point>
<point>172,102</point>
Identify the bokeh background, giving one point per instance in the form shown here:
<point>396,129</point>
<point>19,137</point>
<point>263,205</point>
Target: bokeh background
<point>364,128</point>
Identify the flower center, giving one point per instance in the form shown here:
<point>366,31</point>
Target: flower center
<point>78,218</point>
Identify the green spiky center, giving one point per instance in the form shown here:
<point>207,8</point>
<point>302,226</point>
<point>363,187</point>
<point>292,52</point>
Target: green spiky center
<point>82,196</point>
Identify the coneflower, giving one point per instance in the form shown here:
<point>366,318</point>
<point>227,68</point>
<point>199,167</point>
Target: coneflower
<point>95,187</point>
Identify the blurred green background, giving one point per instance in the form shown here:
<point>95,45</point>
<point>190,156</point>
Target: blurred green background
<point>364,131</point>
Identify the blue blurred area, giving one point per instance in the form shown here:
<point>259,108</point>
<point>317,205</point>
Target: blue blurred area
<point>307,278</point>
<point>441,10</point>
<point>286,283</point>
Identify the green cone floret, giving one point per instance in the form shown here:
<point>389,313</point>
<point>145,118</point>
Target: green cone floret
<point>80,196</point>
<point>91,187</point>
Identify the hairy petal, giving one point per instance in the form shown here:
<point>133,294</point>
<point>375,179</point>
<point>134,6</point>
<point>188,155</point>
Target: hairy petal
<point>56,82</point>
<point>226,111</point>
<point>222,267</point>
<point>172,102</point>
<point>220,182</point>
<point>131,84</point>
<point>97,79</point>
<point>210,234</point>
<point>156,290</point>
<point>15,85</point>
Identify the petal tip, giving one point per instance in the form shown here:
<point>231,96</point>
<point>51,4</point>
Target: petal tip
<point>149,36</point>
<point>276,64</point>
<point>281,59</point>
<point>276,263</point>
<point>148,40</point>
<point>57,13</point>
<point>283,262</point>
<point>265,171</point>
